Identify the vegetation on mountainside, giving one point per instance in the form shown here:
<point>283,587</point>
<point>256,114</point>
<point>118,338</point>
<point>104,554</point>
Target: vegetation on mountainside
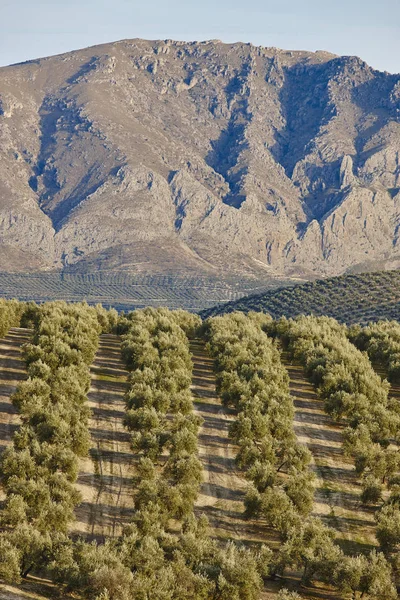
<point>348,299</point>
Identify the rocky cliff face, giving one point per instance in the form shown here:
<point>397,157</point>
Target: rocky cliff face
<point>171,157</point>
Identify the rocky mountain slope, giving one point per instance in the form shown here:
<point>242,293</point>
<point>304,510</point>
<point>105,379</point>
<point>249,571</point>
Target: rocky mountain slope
<point>199,158</point>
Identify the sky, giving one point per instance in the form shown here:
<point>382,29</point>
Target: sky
<point>367,28</point>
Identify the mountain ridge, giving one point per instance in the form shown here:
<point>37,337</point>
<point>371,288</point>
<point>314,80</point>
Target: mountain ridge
<point>201,157</point>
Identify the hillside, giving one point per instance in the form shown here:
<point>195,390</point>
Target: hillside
<point>349,299</point>
<point>199,159</point>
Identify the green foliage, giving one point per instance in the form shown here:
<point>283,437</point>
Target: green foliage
<point>353,394</point>
<point>286,595</point>
<point>107,319</point>
<point>349,299</point>
<point>39,470</point>
<point>376,579</point>
<point>252,379</point>
<point>10,315</point>
<point>381,341</point>
<point>10,561</point>
<point>388,527</point>
<point>311,546</point>
<point>370,576</point>
<point>156,349</point>
<point>372,490</point>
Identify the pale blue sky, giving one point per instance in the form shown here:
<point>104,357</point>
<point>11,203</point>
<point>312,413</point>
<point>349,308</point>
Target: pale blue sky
<point>368,28</point>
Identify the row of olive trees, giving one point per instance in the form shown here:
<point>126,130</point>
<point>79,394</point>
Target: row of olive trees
<point>39,470</point>
<point>160,410</point>
<point>354,394</point>
<point>10,314</point>
<point>251,377</point>
<point>381,341</point>
<point>165,553</point>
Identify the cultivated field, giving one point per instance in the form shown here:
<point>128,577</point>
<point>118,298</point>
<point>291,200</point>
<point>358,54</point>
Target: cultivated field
<point>223,490</point>
<point>348,298</point>
<point>125,291</point>
<point>337,496</point>
<point>108,475</point>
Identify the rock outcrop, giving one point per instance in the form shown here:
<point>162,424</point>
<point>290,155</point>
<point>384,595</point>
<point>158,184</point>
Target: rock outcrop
<point>209,158</point>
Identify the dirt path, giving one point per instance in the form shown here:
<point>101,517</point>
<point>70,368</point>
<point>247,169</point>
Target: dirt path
<point>105,476</point>
<point>12,371</point>
<point>33,588</point>
<point>221,495</point>
<point>338,490</point>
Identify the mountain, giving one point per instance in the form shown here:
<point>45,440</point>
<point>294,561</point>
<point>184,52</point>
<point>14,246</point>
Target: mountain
<point>350,299</point>
<point>199,159</point>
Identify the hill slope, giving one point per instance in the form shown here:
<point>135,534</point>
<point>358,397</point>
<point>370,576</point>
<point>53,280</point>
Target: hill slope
<point>199,159</point>
<point>349,299</point>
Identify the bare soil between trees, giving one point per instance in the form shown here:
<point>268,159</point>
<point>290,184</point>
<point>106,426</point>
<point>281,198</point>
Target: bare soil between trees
<point>337,495</point>
<point>105,478</point>
<point>223,490</point>
<point>12,371</point>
